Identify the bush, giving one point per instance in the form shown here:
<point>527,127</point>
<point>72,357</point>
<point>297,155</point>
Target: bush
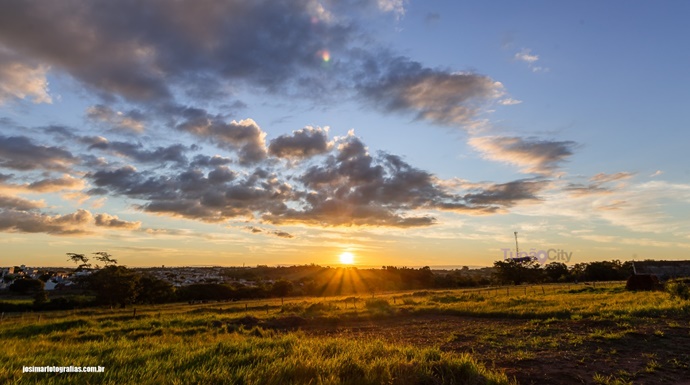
<point>378,304</point>
<point>678,290</point>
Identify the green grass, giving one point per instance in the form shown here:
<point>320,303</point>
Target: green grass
<point>146,351</point>
<point>259,342</point>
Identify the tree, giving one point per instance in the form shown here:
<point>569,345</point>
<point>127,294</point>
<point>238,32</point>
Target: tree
<point>80,259</point>
<point>556,271</point>
<point>281,288</point>
<point>115,285</point>
<point>23,286</point>
<point>40,299</point>
<point>154,290</point>
<point>105,257</point>
<point>517,271</point>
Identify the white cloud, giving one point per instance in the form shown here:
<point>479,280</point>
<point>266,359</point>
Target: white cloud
<point>509,102</point>
<point>526,56</point>
<point>396,7</point>
<point>531,59</point>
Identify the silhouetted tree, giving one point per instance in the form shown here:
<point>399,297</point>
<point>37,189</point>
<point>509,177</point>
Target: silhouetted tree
<point>154,290</point>
<point>115,285</point>
<point>105,257</point>
<point>517,271</point>
<point>80,259</point>
<point>556,271</point>
<point>281,288</point>
<point>26,285</point>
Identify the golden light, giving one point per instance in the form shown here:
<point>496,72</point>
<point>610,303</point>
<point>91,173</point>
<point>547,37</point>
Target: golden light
<point>347,258</point>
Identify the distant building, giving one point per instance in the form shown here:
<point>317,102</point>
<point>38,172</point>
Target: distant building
<point>663,269</point>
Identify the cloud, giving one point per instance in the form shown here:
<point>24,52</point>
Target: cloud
<point>245,136</point>
<point>130,121</point>
<point>17,203</point>
<point>34,222</point>
<point>508,194</point>
<point>303,143</point>
<point>656,173</point>
<point>135,151</point>
<point>20,153</point>
<point>531,155</point>
<point>152,53</point>
<point>509,102</point>
<point>438,96</point>
<point>277,233</point>
<point>141,51</point>
<point>396,7</point>
<point>22,79</point>
<point>605,178</point>
<point>112,221</point>
<point>528,57</point>
<point>66,182</point>
<point>595,187</point>
<point>350,187</point>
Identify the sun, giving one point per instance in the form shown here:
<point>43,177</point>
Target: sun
<point>347,258</point>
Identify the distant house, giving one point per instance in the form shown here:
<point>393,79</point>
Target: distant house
<point>50,285</point>
<point>663,269</point>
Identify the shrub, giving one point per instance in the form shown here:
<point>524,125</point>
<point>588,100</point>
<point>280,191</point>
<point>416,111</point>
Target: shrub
<point>678,290</point>
<point>378,304</point>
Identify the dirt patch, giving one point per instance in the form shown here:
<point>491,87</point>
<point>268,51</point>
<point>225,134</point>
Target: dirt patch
<point>652,351</point>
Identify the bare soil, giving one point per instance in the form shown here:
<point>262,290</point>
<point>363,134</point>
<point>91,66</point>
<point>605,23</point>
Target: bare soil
<point>652,351</point>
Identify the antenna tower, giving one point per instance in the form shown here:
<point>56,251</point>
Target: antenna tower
<point>517,250</point>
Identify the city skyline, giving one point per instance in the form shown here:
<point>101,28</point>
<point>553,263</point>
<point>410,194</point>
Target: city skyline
<point>391,132</point>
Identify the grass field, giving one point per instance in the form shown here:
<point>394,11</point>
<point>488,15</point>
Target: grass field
<point>550,334</point>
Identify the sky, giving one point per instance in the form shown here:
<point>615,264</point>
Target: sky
<point>407,133</point>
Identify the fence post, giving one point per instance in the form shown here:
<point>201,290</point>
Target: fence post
<point>134,312</point>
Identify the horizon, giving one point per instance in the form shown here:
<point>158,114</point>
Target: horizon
<point>388,132</point>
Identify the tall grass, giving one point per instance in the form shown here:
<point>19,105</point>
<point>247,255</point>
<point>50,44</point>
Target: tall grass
<point>146,352</point>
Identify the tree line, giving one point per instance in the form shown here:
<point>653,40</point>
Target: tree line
<point>110,284</point>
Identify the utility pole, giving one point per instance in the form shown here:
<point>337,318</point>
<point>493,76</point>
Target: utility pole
<point>517,250</point>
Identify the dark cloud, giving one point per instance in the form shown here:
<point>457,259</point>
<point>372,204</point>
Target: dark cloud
<point>508,194</point>
<point>277,233</point>
<point>20,153</point>
<point>245,136</point>
<point>439,96</point>
<point>135,151</point>
<point>531,155</point>
<point>303,143</point>
<point>350,187</point>
<point>209,161</point>
<point>137,49</point>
